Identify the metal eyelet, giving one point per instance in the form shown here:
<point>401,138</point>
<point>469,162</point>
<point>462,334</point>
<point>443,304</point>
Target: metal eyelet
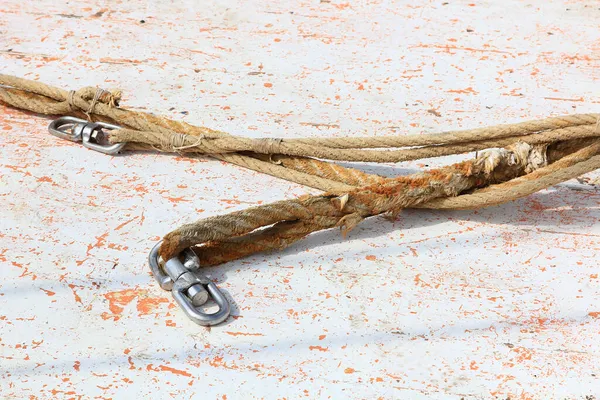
<point>189,288</point>
<point>90,134</point>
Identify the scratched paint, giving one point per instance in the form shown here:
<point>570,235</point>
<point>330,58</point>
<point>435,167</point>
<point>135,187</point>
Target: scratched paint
<point>496,303</point>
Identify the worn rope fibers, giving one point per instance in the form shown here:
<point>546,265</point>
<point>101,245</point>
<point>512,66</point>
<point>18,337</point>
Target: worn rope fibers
<point>522,159</point>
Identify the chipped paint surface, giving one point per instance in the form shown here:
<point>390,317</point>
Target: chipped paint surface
<point>496,303</point>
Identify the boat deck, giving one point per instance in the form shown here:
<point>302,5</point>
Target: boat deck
<point>502,302</point>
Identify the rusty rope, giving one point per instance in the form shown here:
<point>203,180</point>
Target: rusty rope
<point>523,158</point>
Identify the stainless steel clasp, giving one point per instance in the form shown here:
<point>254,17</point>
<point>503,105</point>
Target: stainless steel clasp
<point>90,134</point>
<point>189,288</point>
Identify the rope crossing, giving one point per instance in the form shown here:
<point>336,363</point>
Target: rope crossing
<point>520,159</point>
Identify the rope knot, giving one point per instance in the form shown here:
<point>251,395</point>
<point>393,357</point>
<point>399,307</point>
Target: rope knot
<point>94,96</point>
<point>181,141</point>
<point>268,146</point>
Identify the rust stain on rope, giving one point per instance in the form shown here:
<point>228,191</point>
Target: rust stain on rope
<point>525,157</point>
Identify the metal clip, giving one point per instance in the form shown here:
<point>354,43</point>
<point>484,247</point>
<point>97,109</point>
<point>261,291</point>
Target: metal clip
<point>189,288</point>
<point>90,134</point>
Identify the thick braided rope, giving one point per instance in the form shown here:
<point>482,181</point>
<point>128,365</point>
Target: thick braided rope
<point>87,94</point>
<point>353,195</point>
<point>462,136</point>
<point>289,221</point>
<point>161,126</point>
<point>161,132</point>
<point>41,104</point>
<point>568,167</point>
<point>45,99</point>
<point>189,143</point>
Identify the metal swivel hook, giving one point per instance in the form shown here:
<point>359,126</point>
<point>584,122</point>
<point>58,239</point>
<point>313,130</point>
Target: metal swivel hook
<point>189,288</point>
<point>90,134</point>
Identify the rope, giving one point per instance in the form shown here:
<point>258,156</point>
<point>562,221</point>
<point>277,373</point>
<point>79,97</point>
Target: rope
<point>280,146</point>
<point>522,158</point>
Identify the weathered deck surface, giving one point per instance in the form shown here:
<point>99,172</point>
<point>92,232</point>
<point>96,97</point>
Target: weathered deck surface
<point>497,303</point>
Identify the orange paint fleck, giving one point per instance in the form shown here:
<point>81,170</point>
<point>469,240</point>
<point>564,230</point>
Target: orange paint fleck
<point>106,316</point>
<point>361,87</point>
<point>321,337</point>
<point>100,240</point>
<point>45,179</point>
<point>217,362</point>
<point>109,60</point>
<point>76,365</point>
<point>268,85</point>
<point>174,371</point>
<point>177,200</point>
<point>125,223</point>
<point>563,99</point>
<point>473,366</point>
<point>319,348</point>
<point>141,189</point>
<point>277,40</point>
<point>448,47</point>
<point>49,292</point>
<point>468,90</point>
<point>594,314</point>
<point>342,6</point>
<point>231,201</point>
<point>523,354</point>
<point>371,257</point>
<point>118,300</point>
<point>77,298</point>
<point>149,305</point>
<point>119,247</point>
<point>349,370</point>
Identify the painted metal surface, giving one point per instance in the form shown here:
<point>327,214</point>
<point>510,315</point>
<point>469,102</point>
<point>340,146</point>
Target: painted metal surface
<point>496,303</point>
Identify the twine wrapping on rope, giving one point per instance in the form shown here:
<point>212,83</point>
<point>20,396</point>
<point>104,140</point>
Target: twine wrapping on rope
<point>522,158</point>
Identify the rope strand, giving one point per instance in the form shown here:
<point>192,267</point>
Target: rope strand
<point>525,157</point>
